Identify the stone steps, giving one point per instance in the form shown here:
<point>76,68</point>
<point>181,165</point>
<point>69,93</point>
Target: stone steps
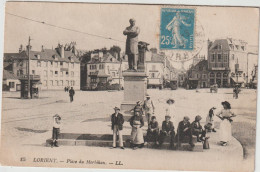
<point>105,140</point>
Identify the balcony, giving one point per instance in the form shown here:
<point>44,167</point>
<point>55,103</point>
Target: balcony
<point>32,77</point>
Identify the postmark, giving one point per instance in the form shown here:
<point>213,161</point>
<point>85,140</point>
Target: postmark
<point>177,29</point>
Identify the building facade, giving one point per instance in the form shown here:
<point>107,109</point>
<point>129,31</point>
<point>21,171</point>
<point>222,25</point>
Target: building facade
<point>158,69</point>
<point>105,68</point>
<point>57,68</point>
<point>10,82</point>
<point>227,62</point>
<point>198,75</point>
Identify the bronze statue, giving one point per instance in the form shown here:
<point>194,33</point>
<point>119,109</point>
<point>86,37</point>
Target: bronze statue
<point>132,32</point>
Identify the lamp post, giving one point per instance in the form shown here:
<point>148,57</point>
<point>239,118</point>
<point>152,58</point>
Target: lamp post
<point>247,66</point>
<point>29,84</point>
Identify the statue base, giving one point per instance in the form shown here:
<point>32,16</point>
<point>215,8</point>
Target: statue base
<point>135,85</point>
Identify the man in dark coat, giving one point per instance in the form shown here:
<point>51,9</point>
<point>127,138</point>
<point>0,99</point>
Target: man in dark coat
<point>117,121</point>
<point>167,131</point>
<point>196,129</point>
<point>184,130</point>
<point>71,94</point>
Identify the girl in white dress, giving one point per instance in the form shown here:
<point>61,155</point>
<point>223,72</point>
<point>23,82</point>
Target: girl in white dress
<point>226,116</point>
<point>170,110</point>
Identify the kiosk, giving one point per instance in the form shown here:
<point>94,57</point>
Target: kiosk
<point>34,86</point>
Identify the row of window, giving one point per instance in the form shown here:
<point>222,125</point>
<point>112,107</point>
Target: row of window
<point>237,47</point>
<point>211,75</point>
<point>219,65</point>
<point>113,74</point>
<point>219,58</point>
<point>55,64</point>
<point>56,73</point>
<point>238,74</point>
<point>102,66</point>
<point>59,83</point>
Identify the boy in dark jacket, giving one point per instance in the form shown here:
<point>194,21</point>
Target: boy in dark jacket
<point>167,131</point>
<point>153,131</point>
<point>184,130</point>
<point>117,121</point>
<point>196,129</point>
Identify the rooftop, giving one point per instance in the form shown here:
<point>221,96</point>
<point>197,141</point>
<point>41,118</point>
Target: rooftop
<point>228,44</point>
<point>46,55</point>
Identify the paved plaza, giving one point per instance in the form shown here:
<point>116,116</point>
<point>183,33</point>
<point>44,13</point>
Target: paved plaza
<point>26,124</point>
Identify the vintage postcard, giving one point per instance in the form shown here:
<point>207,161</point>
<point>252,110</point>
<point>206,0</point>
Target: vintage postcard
<point>129,86</point>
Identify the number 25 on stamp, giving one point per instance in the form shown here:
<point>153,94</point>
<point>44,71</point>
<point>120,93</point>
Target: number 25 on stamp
<point>177,29</point>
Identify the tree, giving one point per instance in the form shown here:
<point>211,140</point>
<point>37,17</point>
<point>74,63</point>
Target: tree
<point>115,51</point>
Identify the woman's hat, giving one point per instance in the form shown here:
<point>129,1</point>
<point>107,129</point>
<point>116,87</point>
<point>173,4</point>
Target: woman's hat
<point>147,95</point>
<point>56,115</point>
<point>198,118</point>
<point>214,107</point>
<point>116,108</point>
<point>170,100</point>
<point>227,104</point>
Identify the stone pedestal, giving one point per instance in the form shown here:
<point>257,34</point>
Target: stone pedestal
<point>135,84</point>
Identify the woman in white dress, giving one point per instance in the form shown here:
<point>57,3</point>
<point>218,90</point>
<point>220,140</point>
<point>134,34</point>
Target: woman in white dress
<point>226,116</point>
<point>170,110</point>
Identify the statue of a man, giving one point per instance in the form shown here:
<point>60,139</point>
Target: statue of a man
<point>132,32</point>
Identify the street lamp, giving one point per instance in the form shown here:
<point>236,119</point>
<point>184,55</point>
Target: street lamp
<point>29,84</point>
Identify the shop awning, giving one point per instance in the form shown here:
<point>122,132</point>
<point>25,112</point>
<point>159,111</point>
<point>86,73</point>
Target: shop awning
<point>238,80</point>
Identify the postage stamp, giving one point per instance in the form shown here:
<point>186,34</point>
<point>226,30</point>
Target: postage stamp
<point>177,29</point>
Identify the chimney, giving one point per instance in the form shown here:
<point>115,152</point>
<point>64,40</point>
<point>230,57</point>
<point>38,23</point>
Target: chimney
<point>42,48</point>
<point>61,51</point>
<point>21,48</point>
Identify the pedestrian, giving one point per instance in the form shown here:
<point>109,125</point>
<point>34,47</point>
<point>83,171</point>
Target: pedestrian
<point>196,129</point>
<point>56,130</point>
<point>148,108</point>
<point>65,89</point>
<point>210,120</point>
<point>71,94</point>
<point>167,131</point>
<point>226,116</point>
<point>184,131</point>
<point>153,131</point>
<point>236,91</point>
<point>117,121</point>
<point>137,137</point>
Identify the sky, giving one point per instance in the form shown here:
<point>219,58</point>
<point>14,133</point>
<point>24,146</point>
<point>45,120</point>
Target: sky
<point>110,20</point>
